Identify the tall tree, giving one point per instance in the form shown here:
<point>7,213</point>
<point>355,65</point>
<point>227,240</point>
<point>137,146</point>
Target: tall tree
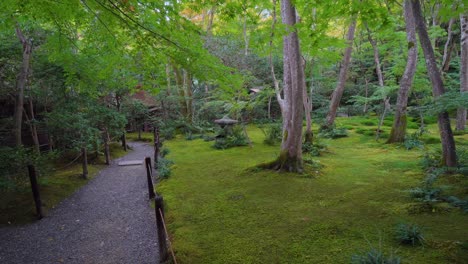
<point>398,131</point>
<point>21,82</point>
<point>461,113</point>
<point>449,156</point>
<point>290,158</point>
<point>338,93</point>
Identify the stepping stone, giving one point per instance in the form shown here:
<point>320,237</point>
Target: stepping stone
<point>130,162</point>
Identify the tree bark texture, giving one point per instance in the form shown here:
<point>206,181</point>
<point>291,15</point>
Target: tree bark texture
<point>338,93</point>
<point>21,82</point>
<point>33,126</point>
<point>397,134</point>
<point>461,112</point>
<point>290,158</point>
<point>448,46</point>
<point>438,89</point>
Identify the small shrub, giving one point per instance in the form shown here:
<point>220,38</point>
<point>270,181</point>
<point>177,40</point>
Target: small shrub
<point>409,234</point>
<point>273,133</point>
<point>315,164</point>
<point>425,194</point>
<point>314,149</point>
<point>168,133</point>
<point>368,123</point>
<point>374,256</point>
<point>237,138</point>
<point>454,201</point>
<point>413,141</point>
<point>208,138</point>
<point>164,152</point>
<point>164,168</point>
<point>333,132</point>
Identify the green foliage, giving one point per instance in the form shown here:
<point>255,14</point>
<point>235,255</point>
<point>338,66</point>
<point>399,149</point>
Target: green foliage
<point>409,234</point>
<point>273,133</point>
<point>314,149</point>
<point>13,168</point>
<point>374,256</point>
<point>425,194</point>
<point>333,132</point>
<point>413,141</point>
<point>235,139</point>
<point>164,167</point>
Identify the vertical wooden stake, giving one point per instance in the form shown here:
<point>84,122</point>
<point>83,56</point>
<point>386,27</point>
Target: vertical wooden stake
<point>148,177</point>
<point>106,147</point>
<point>159,204</point>
<point>124,142</point>
<point>85,163</point>
<point>35,190</point>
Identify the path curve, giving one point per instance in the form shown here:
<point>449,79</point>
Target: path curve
<point>107,221</point>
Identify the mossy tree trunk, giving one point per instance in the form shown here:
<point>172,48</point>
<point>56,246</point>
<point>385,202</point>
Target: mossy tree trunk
<point>338,93</point>
<point>398,131</point>
<point>290,158</point>
<point>449,156</point>
<point>461,112</point>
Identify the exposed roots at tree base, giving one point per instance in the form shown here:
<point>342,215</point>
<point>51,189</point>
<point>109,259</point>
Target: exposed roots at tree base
<point>284,163</point>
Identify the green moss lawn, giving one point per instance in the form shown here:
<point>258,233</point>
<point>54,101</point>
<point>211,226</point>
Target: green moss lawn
<point>220,211</point>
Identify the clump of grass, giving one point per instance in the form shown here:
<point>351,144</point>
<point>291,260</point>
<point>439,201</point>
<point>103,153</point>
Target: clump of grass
<point>374,256</point>
<point>413,141</point>
<point>235,139</point>
<point>409,234</point>
<point>164,167</point>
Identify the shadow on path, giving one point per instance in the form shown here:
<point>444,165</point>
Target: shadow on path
<point>107,221</point>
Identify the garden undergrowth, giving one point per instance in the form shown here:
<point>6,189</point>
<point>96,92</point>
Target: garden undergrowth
<point>220,211</point>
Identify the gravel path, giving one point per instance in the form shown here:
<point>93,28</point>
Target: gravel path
<point>107,221</point>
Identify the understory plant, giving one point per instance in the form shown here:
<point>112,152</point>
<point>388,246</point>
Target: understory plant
<point>236,138</point>
<point>333,132</point>
<point>273,133</point>
<point>409,234</point>
<point>375,256</point>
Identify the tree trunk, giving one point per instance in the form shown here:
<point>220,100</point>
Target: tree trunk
<point>179,78</point>
<point>461,112</point>
<point>448,46</point>
<point>366,90</point>
<point>211,14</point>
<point>308,135</point>
<point>338,93</point>
<point>438,89</point>
<point>290,158</point>
<point>398,131</point>
<point>21,81</point>
<point>85,162</point>
<point>246,37</point>
<point>33,126</point>
<point>188,96</point>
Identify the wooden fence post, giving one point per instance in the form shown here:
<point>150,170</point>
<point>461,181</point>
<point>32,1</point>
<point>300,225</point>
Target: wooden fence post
<point>85,162</point>
<point>35,190</point>
<point>148,176</point>
<point>159,207</point>
<point>124,142</point>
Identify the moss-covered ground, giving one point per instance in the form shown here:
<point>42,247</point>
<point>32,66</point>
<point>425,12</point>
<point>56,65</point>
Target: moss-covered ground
<point>220,210</point>
<point>17,207</point>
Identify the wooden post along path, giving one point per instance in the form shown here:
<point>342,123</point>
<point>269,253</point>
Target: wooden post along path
<point>149,178</point>
<point>35,190</point>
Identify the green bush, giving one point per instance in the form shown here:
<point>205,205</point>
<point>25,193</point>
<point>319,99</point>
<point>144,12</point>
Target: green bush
<point>164,167</point>
<point>374,256</point>
<point>368,123</point>
<point>235,139</point>
<point>413,141</point>
<point>409,234</point>
<point>425,194</point>
<point>273,133</point>
<point>333,132</point>
<point>14,162</point>
<point>314,149</point>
